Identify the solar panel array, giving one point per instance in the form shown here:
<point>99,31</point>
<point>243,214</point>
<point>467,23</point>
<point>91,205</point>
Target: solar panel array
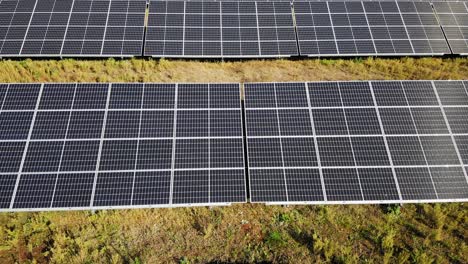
<point>72,28</point>
<point>231,29</point>
<point>357,142</point>
<point>368,28</point>
<point>220,29</point>
<point>120,145</point>
<point>86,146</point>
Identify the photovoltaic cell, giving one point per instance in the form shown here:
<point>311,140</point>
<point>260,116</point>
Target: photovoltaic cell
<point>415,183</point>
<point>21,97</point>
<point>73,190</point>
<point>450,182</point>
<point>7,184</point>
<point>342,184</point>
<point>15,125</point>
<point>152,188</point>
<point>11,155</point>
<point>79,156</point>
<point>462,144</point>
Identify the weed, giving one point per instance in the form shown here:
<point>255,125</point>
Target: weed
<point>275,239</point>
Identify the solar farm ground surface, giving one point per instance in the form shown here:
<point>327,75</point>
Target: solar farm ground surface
<point>420,233</point>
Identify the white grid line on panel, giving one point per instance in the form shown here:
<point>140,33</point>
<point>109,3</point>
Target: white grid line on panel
<point>133,138</point>
<point>331,136</point>
<point>322,181</point>
<point>258,30</point>
<point>101,143</point>
<point>350,81</point>
<point>420,143</point>
<point>235,109</point>
<point>23,159</point>
<point>352,33</point>
<point>143,109</point>
<point>389,154</point>
<point>105,28</point>
<point>406,29</point>
<point>276,29</point>
<point>246,147</point>
<point>281,145</point>
<point>351,144</point>
<point>451,134</point>
<point>125,31</point>
<point>86,30</point>
<point>462,82</point>
<point>183,36</point>
<point>240,88</point>
<point>368,26</point>
<point>138,141</point>
<point>174,137</point>
<point>209,147</point>
<point>63,147</point>
<point>4,97</point>
<point>202,18</point>
<point>48,26</point>
<point>145,170</point>
<point>362,167</point>
<point>333,29</point>
<point>66,28</point>
<point>358,107</point>
<point>29,25</point>
<point>221,28</point>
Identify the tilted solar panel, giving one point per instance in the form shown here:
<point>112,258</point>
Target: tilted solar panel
<point>97,146</point>
<point>51,28</point>
<point>453,18</point>
<point>220,29</point>
<point>357,142</point>
<point>107,28</point>
<point>368,28</point>
<point>15,16</point>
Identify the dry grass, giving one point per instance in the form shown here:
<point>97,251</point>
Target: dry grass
<point>245,232</point>
<point>140,70</point>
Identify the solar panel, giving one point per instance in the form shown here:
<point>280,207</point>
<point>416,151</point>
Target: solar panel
<point>51,28</point>
<point>403,141</point>
<point>220,29</point>
<point>105,28</point>
<point>47,28</point>
<point>453,18</point>
<point>86,146</point>
<point>353,28</point>
<point>92,146</point>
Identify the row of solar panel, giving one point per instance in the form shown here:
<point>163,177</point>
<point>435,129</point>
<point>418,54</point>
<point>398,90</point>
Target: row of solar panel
<point>230,29</point>
<point>139,145</point>
<point>357,141</point>
<point>81,145</point>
